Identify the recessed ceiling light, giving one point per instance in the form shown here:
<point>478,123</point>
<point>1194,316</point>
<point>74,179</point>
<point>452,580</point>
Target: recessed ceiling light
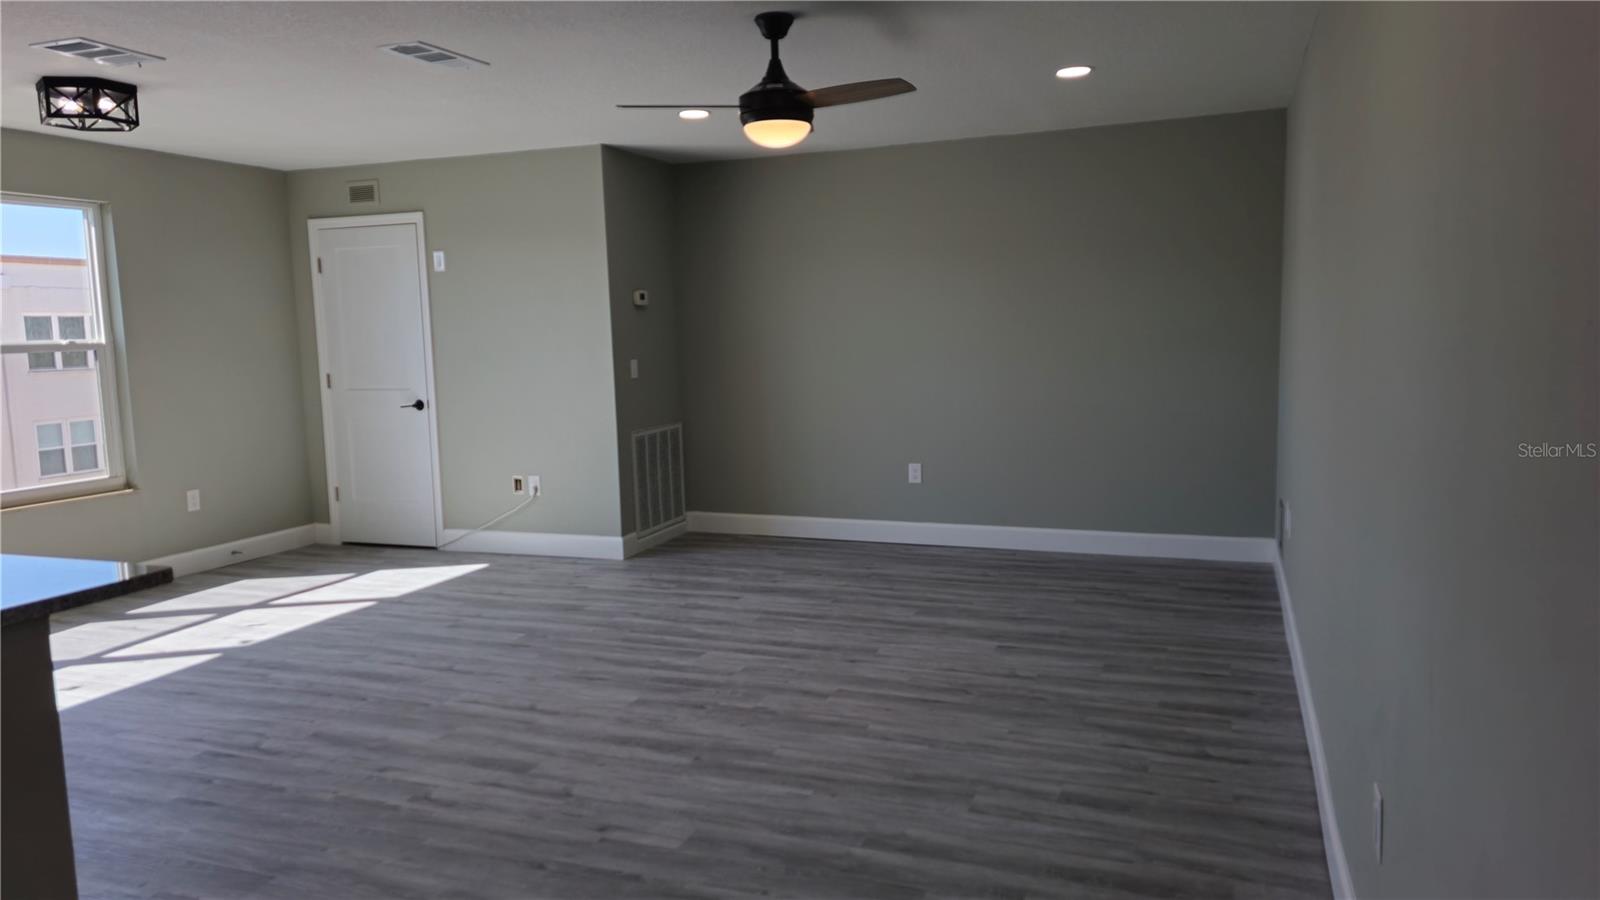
<point>1074,71</point>
<point>694,115</point>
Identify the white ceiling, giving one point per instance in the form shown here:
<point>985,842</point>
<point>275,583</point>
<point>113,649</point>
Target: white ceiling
<point>301,85</point>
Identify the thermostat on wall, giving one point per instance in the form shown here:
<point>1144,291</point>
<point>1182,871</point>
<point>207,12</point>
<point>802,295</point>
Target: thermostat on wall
<point>641,299</point>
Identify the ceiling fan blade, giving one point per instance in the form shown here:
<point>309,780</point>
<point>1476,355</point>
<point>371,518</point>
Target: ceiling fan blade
<point>857,92</point>
<point>677,106</point>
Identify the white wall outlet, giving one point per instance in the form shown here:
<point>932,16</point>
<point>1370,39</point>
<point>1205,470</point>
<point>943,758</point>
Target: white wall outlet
<point>914,473</point>
<point>533,485</point>
<point>1377,822</point>
<point>438,260</point>
<point>519,484</point>
<point>641,299</point>
<point>1288,522</point>
<point>193,499</point>
<point>633,368</point>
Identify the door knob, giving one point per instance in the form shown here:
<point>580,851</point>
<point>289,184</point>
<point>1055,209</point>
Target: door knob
<point>418,406</point>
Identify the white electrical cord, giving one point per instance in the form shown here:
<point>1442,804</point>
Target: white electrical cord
<point>494,521</point>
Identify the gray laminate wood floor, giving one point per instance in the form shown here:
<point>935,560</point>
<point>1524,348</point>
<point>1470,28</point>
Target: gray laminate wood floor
<point>722,717</point>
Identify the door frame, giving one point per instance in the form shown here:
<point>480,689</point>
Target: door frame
<point>314,229</point>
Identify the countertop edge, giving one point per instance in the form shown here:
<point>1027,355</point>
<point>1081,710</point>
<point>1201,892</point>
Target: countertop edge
<point>40,609</point>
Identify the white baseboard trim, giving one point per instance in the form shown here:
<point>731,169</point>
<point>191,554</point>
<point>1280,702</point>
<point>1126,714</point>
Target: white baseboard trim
<point>996,537</point>
<point>534,543</point>
<point>1332,843</point>
<point>324,533</point>
<point>633,545</point>
<point>226,554</point>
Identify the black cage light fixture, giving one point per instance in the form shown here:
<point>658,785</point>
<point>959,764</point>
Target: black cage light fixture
<point>88,104</point>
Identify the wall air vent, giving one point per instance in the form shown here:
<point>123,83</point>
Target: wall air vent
<point>434,55</point>
<point>98,51</point>
<point>362,191</point>
<point>657,478</point>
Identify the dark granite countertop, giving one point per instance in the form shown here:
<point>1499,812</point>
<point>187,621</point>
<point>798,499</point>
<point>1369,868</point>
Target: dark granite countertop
<point>32,587</point>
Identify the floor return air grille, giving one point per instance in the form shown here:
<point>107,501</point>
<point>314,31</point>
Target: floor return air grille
<point>657,478</point>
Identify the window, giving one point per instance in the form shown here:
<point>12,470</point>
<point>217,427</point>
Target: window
<point>48,329</point>
<point>61,424</point>
<point>67,448</point>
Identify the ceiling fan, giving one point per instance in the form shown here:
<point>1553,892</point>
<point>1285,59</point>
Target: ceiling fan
<point>777,113</point>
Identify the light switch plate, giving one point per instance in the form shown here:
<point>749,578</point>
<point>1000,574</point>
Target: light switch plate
<point>633,368</point>
<point>438,260</point>
<point>192,497</point>
<point>914,473</point>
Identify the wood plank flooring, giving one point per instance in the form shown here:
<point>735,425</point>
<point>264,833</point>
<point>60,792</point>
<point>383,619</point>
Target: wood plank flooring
<point>722,717</point>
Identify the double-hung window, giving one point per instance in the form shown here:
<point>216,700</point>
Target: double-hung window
<point>47,329</point>
<point>60,418</point>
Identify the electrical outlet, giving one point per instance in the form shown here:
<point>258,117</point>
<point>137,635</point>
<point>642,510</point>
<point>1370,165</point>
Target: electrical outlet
<point>914,473</point>
<point>1288,522</point>
<point>519,485</point>
<point>193,499</point>
<point>1377,822</point>
<point>633,368</point>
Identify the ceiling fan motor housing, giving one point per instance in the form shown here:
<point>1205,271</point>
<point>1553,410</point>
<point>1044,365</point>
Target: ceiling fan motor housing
<point>769,100</point>
<point>776,97</point>
<point>777,113</point>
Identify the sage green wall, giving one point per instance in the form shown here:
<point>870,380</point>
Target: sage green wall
<point>1073,330</point>
<point>1440,303</point>
<point>212,357</point>
<point>638,204</point>
<point>521,329</point>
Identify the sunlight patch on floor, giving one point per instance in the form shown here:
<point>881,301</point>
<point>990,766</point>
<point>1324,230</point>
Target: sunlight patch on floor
<point>240,629</point>
<point>99,658</point>
<point>245,592</point>
<point>90,681</point>
<point>95,638</point>
<point>384,584</point>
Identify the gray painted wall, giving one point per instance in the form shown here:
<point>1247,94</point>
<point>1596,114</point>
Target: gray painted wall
<point>1075,330</point>
<point>639,212</point>
<point>202,276</point>
<point>521,330</point>
<point>1439,310</point>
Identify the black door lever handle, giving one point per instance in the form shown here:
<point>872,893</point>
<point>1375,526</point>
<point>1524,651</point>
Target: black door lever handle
<point>418,406</point>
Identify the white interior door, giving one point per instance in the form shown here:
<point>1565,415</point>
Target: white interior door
<point>373,339</point>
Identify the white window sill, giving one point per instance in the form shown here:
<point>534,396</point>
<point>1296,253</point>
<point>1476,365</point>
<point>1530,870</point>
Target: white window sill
<point>21,503</point>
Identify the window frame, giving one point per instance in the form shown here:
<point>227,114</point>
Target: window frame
<point>102,362</point>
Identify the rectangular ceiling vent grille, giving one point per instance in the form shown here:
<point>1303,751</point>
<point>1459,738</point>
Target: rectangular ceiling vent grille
<point>434,55</point>
<point>98,51</point>
<point>363,191</point>
<point>657,478</point>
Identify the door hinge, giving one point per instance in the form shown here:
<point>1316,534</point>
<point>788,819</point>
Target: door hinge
<point>330,379</point>
<point>336,493</point>
<point>319,265</point>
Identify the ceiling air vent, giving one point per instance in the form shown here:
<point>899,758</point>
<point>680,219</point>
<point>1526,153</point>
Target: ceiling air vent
<point>363,191</point>
<point>433,54</point>
<point>98,51</point>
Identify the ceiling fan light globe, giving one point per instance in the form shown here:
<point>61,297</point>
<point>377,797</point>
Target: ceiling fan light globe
<point>776,134</point>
